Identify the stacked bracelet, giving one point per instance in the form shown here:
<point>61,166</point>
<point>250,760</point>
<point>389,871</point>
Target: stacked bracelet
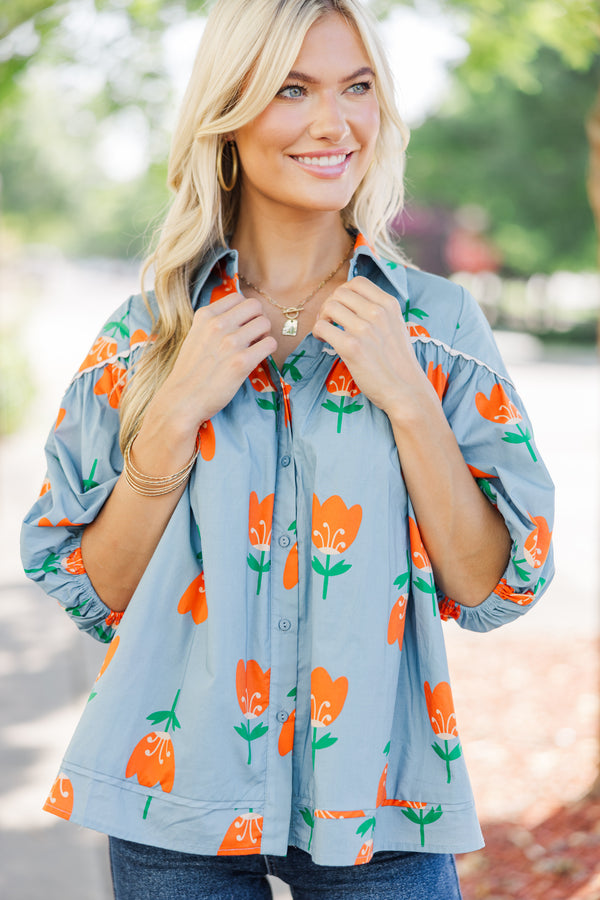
<point>152,485</point>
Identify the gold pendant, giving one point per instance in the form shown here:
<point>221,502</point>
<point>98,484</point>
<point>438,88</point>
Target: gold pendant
<point>290,327</point>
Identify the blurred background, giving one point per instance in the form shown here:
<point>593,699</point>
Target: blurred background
<point>503,187</point>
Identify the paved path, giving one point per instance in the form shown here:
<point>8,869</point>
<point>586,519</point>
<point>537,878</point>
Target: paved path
<point>46,666</point>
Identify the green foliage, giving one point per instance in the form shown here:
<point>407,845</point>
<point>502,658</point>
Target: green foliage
<point>522,157</point>
<point>16,386</point>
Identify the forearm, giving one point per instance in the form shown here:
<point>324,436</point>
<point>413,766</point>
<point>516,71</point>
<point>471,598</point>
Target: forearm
<point>465,536</point>
<point>118,545</point>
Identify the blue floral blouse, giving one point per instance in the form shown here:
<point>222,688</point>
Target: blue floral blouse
<point>279,676</point>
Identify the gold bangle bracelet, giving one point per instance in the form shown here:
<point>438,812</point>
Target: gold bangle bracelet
<point>156,485</point>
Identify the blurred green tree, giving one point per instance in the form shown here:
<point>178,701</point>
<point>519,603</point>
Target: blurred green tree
<point>513,46</point>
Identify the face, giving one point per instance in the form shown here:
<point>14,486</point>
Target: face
<point>313,144</point>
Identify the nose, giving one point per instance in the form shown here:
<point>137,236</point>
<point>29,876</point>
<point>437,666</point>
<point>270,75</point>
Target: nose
<point>329,120</point>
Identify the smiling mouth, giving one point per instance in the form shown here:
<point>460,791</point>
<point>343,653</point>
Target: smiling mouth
<point>323,162</point>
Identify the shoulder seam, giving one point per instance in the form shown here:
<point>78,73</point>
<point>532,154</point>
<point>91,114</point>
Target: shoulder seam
<point>452,351</point>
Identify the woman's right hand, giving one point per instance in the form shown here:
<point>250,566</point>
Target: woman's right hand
<point>227,341</point>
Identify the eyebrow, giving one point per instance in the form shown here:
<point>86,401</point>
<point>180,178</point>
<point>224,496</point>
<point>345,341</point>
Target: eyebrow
<point>302,76</point>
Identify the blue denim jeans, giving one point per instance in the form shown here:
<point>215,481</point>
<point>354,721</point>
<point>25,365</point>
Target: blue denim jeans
<point>149,873</point>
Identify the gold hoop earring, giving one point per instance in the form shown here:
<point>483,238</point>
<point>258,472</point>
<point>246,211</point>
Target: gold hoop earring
<point>234,167</point>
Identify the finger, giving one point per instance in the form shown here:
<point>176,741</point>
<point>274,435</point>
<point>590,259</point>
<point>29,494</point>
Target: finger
<point>365,288</point>
<point>259,351</point>
<point>247,309</point>
<point>253,330</point>
<point>340,311</point>
<point>331,334</point>
<point>344,299</point>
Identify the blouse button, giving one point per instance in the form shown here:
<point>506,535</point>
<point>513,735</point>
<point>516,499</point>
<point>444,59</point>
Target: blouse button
<point>286,460</point>
<point>284,540</point>
<point>282,716</point>
<point>284,624</point>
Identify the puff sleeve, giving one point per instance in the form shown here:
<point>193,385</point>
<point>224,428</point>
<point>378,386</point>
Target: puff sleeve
<point>83,463</point>
<point>496,438</point>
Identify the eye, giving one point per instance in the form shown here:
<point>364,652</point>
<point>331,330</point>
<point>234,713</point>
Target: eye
<point>291,91</point>
<point>361,87</point>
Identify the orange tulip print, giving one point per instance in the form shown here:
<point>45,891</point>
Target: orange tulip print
<point>438,378</point>
<point>61,414</point>
<point>109,655</point>
<point>420,560</point>
<point>397,621</point>
<point>193,600</point>
<point>506,592</point>
<point>366,851</point>
<point>73,563</point>
<point>290,570</point>
<point>243,836</point>
<point>60,798</point>
<point>339,813</point>
<point>228,286</point>
<point>341,384</point>
<point>417,330</point>
<point>104,348</point>
<point>260,522</point>
<point>153,761</point>
<point>261,381</point>
<point>46,486</point>
<point>498,408</point>
<point>286,735</point>
<point>252,688</point>
<point>365,854</point>
<point>442,719</point>
<point>449,609</point>
<point>327,697</point>
<point>139,337</point>
<point>334,528</point>
<point>207,440</point>
<point>153,758</point>
<point>361,241</point>
<point>112,383</point>
<point>537,543</point>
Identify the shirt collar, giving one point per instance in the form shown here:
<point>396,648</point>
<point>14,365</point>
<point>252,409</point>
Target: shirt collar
<point>364,260</point>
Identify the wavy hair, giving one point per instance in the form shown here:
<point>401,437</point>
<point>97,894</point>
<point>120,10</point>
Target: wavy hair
<point>246,52</point>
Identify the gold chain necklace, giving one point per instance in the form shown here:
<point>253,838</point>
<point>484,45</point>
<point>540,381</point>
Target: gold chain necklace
<point>291,313</point>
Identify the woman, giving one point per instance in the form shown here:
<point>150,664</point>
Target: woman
<point>319,457</point>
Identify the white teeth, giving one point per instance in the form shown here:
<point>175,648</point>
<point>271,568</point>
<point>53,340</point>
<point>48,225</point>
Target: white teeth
<point>323,161</point>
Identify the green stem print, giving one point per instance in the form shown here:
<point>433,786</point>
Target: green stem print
<point>447,755</point>
<point>320,743</point>
<point>328,571</point>
<point>414,311</point>
<point>260,566</point>
<point>428,587</point>
<point>341,409</point>
<point>89,483</point>
<point>292,368</point>
<point>310,821</point>
<point>113,327</point>
<point>49,566</point>
<point>269,404</point>
<point>421,818</point>
<point>522,437</point>
<point>250,734</point>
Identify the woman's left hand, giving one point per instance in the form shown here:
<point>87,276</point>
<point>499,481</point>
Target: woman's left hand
<point>374,344</point>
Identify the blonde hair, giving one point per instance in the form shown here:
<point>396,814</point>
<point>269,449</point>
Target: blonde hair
<point>247,50</point>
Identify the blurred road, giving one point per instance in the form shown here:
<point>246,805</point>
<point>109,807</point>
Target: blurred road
<point>47,667</point>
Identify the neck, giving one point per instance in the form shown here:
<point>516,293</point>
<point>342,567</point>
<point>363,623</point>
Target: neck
<point>289,256</point>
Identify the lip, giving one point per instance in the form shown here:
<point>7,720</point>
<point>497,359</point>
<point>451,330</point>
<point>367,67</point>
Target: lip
<point>324,169</point>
